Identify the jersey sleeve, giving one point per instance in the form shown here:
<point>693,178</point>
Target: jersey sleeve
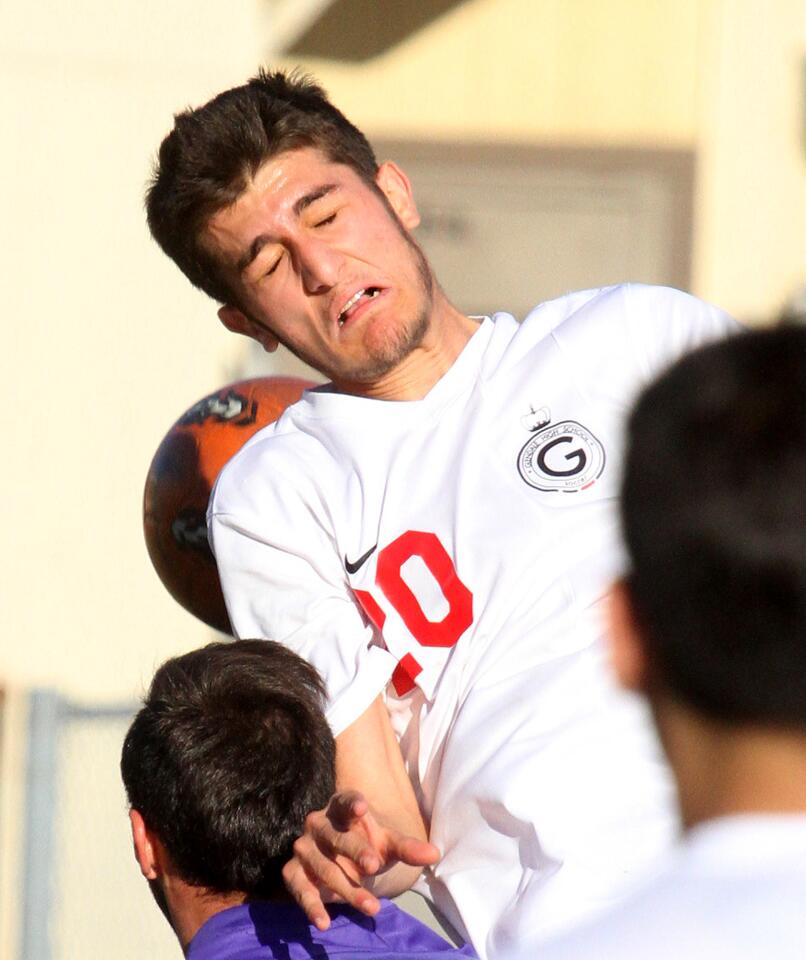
<point>283,580</point>
<point>664,323</point>
<point>626,335</point>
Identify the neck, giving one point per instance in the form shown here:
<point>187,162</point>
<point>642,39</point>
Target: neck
<point>412,378</point>
<point>190,907</point>
<point>723,769</point>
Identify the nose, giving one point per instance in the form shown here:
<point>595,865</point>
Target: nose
<point>318,264</point>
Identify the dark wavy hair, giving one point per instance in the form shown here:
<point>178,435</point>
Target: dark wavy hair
<point>714,516</point>
<point>207,160</point>
<point>227,756</point>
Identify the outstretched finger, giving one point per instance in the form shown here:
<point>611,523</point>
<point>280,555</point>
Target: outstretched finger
<point>306,893</point>
<point>417,853</point>
<point>338,875</point>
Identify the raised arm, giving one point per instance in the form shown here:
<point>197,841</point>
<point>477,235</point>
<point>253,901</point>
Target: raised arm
<point>371,834</point>
<point>283,579</point>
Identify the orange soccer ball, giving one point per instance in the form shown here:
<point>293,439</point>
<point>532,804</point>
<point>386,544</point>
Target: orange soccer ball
<point>182,475</point>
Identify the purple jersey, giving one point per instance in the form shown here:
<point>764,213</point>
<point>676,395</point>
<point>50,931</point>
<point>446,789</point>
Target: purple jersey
<point>263,930</point>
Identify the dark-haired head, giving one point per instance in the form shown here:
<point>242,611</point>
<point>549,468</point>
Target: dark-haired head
<point>229,753</point>
<point>714,516</point>
<point>207,160</point>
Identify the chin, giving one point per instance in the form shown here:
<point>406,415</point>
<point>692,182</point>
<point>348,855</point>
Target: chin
<point>386,348</point>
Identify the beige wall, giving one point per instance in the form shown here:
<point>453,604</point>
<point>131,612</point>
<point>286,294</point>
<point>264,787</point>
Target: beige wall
<point>568,71</point>
<point>750,248</point>
<point>722,77</point>
<point>104,343</point>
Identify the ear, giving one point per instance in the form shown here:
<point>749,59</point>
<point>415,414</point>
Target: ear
<point>237,322</point>
<point>144,849</point>
<point>627,652</point>
<point>397,188</point>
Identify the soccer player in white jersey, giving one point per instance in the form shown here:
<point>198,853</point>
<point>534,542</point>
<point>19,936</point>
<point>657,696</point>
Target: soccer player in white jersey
<point>433,529</point>
<point>710,625</point>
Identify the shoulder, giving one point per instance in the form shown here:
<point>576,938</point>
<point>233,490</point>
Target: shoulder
<point>404,935</point>
<point>627,309</point>
<point>276,460</point>
<point>614,339</point>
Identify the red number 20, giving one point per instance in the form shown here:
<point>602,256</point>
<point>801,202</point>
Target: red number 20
<point>414,543</point>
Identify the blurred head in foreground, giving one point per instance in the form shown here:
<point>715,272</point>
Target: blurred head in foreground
<point>229,753</point>
<point>710,622</point>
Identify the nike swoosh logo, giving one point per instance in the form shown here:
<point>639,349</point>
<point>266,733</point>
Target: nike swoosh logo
<point>354,567</point>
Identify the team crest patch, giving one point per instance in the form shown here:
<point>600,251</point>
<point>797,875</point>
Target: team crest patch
<point>563,456</point>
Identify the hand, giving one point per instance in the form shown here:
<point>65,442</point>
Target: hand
<point>342,845</point>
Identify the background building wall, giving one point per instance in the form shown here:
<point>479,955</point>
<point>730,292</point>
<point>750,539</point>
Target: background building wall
<point>105,344</point>
<point>544,71</point>
<point>750,253</point>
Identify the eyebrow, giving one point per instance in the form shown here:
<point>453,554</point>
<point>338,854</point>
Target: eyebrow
<point>313,196</point>
<point>262,239</point>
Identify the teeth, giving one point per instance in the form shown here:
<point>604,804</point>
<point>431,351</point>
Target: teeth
<point>369,291</point>
<point>353,299</point>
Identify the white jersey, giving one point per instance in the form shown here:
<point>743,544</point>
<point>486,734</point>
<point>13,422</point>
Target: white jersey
<point>455,549</point>
<point>735,890</point>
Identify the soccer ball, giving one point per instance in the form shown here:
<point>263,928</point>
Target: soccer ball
<point>182,475</point>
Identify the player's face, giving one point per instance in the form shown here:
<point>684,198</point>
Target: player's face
<point>324,264</point>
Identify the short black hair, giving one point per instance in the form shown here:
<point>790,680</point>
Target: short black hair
<point>714,517</point>
<point>229,753</point>
<point>206,161</point>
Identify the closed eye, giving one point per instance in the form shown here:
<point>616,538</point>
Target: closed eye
<point>324,222</point>
<point>273,267</point>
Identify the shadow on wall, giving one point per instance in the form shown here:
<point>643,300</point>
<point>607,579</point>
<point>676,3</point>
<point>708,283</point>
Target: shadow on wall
<point>358,30</point>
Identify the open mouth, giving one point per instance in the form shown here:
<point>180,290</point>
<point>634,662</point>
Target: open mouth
<point>359,297</point>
